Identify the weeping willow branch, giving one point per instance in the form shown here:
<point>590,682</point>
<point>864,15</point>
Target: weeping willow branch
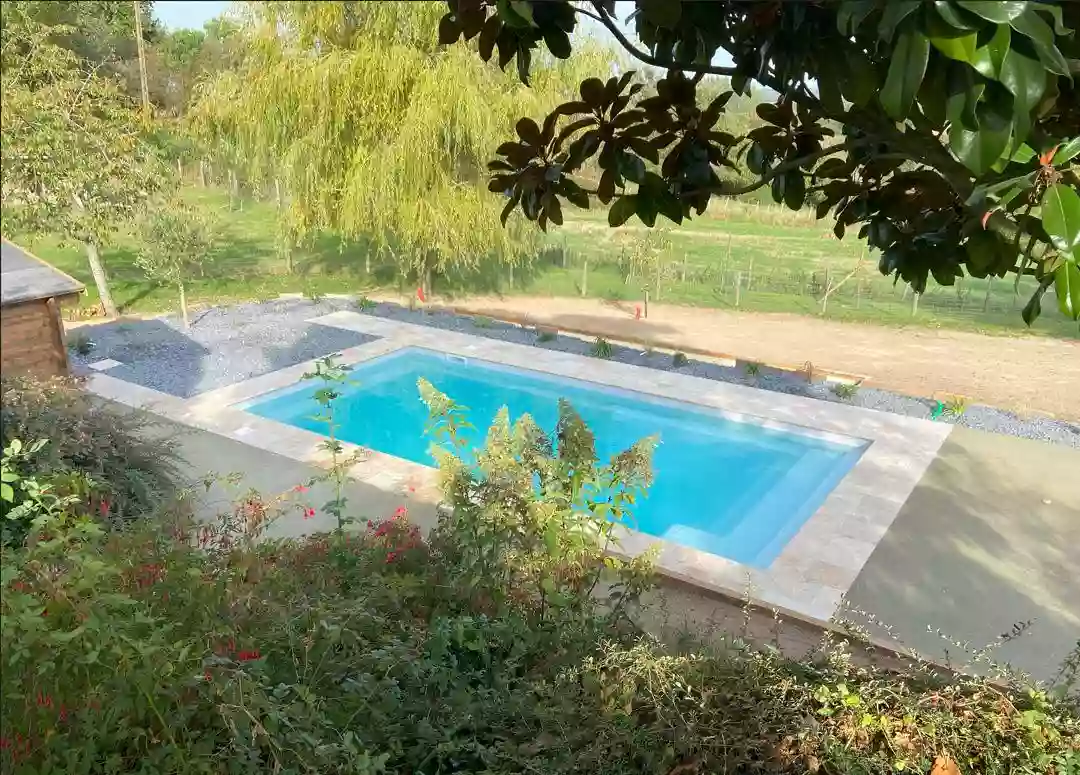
<point>374,133</point>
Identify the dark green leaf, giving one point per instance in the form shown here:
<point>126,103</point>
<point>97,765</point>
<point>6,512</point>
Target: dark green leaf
<point>755,159</point>
<point>509,208</point>
<point>982,251</point>
<point>995,10</point>
<point>860,83</point>
<point>558,43</point>
<point>606,189</point>
<point>620,212</point>
<point>1061,219</point>
<point>988,58</point>
<point>1033,308</point>
<point>851,14</point>
<point>486,44</point>
<point>646,208</point>
<point>954,16</point>
<point>553,208</point>
<point>1026,81</point>
<point>528,131</point>
<point>524,57</point>
<point>592,92</point>
<point>644,149</point>
<point>778,188</point>
<point>1067,285</point>
<point>1067,152</point>
<point>449,29</point>
<point>906,72</point>
<point>979,150</point>
<point>662,13</point>
<point>895,12</point>
<point>962,97</point>
<point>794,189</point>
<point>574,193</point>
<point>961,48</point>
<point>1032,26</point>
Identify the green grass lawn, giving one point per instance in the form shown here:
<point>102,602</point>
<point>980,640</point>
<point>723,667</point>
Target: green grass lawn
<point>780,259</point>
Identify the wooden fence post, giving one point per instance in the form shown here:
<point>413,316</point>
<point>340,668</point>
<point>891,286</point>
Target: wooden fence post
<point>738,286</point>
<point>915,303</point>
<point>585,277</point>
<point>750,274</point>
<point>684,267</point>
<point>986,296</point>
<point>646,303</point>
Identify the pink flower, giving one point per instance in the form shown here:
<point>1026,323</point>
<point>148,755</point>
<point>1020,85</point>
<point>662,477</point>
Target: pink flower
<point>400,512</point>
<point>308,512</point>
<point>300,488</point>
<point>390,557</point>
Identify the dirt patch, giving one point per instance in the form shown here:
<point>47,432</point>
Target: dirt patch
<point>1024,373</point>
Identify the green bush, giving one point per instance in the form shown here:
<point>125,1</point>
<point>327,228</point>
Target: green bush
<point>199,648</point>
<point>132,473</point>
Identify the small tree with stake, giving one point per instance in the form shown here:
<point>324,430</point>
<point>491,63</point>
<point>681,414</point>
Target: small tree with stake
<point>176,241</point>
<point>956,123</point>
<point>75,157</point>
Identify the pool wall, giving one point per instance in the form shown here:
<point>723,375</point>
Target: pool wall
<point>809,577</point>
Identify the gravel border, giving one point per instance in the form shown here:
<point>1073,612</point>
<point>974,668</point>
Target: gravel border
<point>226,345</point>
<point>223,346</point>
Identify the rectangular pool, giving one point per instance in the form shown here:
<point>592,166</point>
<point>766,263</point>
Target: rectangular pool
<point>732,488</point>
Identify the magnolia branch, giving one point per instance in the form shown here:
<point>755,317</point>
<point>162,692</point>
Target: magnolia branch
<point>604,18</point>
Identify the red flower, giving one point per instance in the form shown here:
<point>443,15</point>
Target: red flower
<point>103,506</point>
<point>400,512</point>
<point>247,656</point>
<point>300,488</point>
<point>207,676</point>
<point>390,557</point>
<point>308,512</point>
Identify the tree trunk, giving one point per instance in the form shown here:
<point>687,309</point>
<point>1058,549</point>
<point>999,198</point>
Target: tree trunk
<point>367,263</point>
<point>288,257</point>
<point>183,306</point>
<point>585,277</point>
<point>180,170</point>
<point>101,280</point>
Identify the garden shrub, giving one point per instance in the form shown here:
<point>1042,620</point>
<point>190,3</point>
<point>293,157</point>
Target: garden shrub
<point>132,472</point>
<point>200,648</point>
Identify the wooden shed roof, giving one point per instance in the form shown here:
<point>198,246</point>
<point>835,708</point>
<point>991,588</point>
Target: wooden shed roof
<point>25,277</point>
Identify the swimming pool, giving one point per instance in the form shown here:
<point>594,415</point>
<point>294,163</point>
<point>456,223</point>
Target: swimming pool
<point>725,486</point>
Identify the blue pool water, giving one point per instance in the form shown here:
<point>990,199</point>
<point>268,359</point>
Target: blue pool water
<point>736,489</point>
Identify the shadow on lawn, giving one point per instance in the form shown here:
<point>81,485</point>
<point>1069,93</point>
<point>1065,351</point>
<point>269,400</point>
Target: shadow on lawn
<point>987,540</point>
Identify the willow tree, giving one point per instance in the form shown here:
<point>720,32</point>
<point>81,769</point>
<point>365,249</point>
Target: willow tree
<point>375,131</point>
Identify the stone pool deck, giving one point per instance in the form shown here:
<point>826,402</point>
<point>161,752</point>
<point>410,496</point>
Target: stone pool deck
<point>970,536</point>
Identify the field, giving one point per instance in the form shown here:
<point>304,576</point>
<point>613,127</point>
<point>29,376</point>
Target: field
<point>745,255</point>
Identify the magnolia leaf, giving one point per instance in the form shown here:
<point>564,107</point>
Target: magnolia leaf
<point>995,10</point>
<point>895,12</point>
<point>1033,308</point>
<point>1031,25</point>
<point>906,73</point>
<point>1067,152</point>
<point>979,150</point>
<point>620,212</point>
<point>960,48</point>
<point>1061,219</point>
<point>1067,286</point>
<point>988,58</point>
